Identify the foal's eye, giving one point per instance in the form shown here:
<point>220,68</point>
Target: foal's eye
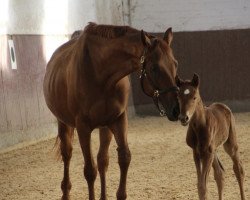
<point>194,98</point>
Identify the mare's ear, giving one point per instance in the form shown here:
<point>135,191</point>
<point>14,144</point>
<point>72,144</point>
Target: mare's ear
<point>168,36</point>
<point>178,81</point>
<point>196,80</point>
<point>145,39</point>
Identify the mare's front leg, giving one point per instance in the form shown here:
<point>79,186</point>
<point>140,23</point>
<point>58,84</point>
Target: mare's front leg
<point>105,136</point>
<point>65,135</point>
<point>207,160</point>
<point>119,129</point>
<point>90,169</point>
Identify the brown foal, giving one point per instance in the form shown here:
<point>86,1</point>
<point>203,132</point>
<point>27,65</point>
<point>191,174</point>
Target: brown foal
<point>209,127</point>
<point>86,86</point>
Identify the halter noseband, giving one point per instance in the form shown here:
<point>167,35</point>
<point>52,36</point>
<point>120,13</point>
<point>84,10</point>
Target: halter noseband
<point>157,92</point>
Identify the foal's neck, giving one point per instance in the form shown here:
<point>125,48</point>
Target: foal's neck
<point>199,114</point>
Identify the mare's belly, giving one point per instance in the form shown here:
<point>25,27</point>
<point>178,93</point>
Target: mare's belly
<point>108,108</point>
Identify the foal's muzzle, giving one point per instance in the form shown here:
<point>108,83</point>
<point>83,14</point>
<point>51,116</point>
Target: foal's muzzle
<point>184,119</point>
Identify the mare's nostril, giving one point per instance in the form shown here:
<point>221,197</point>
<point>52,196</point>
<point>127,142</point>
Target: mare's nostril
<point>176,112</point>
<point>186,118</point>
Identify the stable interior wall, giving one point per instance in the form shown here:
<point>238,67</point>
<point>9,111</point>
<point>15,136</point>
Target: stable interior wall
<point>210,38</point>
<point>37,28</point>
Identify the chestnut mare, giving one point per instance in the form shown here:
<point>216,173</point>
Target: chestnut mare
<point>209,128</point>
<point>86,86</point>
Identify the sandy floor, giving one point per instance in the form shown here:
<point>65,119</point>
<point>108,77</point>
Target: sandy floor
<point>162,166</point>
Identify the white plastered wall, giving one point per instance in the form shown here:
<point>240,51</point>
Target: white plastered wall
<point>64,16</point>
<point>45,17</point>
<point>189,15</point>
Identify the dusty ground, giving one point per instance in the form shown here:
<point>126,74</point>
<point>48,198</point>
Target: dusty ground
<point>162,166</point>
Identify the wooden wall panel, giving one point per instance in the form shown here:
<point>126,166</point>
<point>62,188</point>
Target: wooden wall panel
<point>221,58</point>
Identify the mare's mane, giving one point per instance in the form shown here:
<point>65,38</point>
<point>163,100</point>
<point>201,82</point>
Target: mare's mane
<point>108,31</point>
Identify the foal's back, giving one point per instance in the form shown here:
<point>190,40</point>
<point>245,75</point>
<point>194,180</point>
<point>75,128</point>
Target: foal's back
<point>219,121</point>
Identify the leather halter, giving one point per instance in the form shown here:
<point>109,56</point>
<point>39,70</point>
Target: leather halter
<point>157,91</point>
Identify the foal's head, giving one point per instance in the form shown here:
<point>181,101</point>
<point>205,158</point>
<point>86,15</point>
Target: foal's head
<point>159,70</point>
<point>188,98</point>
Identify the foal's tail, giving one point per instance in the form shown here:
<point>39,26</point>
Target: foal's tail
<point>232,129</point>
<point>218,160</point>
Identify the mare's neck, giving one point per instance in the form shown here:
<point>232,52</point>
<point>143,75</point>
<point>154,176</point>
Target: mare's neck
<point>199,114</point>
<point>117,58</point>
<point>133,46</point>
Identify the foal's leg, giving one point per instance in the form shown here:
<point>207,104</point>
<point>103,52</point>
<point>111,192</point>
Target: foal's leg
<point>191,140</point>
<point>65,135</point>
<point>218,175</point>
<point>119,129</point>
<point>90,169</point>
<point>207,160</point>
<point>103,158</point>
<point>231,147</point>
<point>197,162</point>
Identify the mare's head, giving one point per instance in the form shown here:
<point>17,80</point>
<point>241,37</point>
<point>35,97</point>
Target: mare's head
<point>158,73</point>
<point>188,98</point>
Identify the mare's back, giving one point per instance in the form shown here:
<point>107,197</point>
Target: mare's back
<point>55,83</point>
<point>62,56</point>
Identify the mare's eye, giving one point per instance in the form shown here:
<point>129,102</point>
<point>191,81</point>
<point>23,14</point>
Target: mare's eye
<point>194,98</point>
<point>155,68</point>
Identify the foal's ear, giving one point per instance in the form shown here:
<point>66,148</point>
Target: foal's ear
<point>178,81</point>
<point>196,80</point>
<point>168,36</point>
<point>145,39</point>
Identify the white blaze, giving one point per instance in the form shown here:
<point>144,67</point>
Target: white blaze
<point>186,92</point>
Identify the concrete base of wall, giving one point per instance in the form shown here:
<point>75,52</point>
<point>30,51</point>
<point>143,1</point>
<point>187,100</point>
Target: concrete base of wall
<point>18,139</point>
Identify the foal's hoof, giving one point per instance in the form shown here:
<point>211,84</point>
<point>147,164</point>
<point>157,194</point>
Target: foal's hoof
<point>65,197</point>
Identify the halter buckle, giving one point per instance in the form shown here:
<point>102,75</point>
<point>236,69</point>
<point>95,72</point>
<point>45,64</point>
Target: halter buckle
<point>156,93</point>
<point>162,113</point>
<point>142,59</point>
<point>143,73</point>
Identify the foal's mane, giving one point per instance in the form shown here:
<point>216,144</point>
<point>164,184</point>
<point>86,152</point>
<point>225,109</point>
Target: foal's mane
<point>108,31</point>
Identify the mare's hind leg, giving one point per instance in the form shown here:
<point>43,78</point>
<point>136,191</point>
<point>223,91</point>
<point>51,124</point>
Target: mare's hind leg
<point>218,175</point>
<point>90,169</point>
<point>119,129</point>
<point>231,147</point>
<point>105,136</point>
<point>65,134</point>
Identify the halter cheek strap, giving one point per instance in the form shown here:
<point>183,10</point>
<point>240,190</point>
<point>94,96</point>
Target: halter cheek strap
<point>157,92</point>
